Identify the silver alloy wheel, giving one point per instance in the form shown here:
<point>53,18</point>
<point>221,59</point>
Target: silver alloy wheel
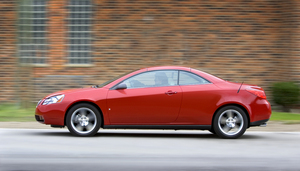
<point>83,120</point>
<point>231,122</point>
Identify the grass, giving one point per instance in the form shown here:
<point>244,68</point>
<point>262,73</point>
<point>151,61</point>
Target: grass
<point>9,112</point>
<point>288,118</point>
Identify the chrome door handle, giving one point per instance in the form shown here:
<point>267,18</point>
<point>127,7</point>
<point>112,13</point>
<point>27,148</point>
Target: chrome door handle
<point>170,92</point>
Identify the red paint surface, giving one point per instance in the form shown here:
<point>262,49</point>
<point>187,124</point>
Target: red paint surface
<point>190,105</point>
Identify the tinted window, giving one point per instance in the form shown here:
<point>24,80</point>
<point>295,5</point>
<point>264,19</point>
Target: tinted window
<point>187,78</point>
<point>153,79</point>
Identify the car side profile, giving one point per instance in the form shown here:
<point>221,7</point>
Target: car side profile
<point>166,97</point>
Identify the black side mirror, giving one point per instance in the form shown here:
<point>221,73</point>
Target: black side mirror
<point>121,86</point>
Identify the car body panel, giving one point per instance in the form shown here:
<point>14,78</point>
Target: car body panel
<point>191,105</point>
<point>54,114</point>
<point>198,104</point>
<point>144,105</point>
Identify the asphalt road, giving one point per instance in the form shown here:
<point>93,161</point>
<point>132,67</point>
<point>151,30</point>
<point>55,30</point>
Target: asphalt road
<point>146,150</point>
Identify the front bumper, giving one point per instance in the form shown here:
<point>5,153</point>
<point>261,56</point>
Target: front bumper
<point>39,118</point>
<point>53,114</point>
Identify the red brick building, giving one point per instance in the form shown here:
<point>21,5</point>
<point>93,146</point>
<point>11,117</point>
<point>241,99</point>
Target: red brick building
<point>48,45</point>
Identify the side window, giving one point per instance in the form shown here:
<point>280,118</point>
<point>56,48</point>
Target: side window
<point>187,78</point>
<point>153,79</point>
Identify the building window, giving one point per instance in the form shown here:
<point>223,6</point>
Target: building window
<point>79,31</point>
<point>32,26</point>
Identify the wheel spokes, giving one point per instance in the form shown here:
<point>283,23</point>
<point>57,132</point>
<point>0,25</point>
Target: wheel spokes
<point>79,127</point>
<point>83,120</point>
<point>226,128</point>
<point>82,112</point>
<point>237,119</point>
<point>230,122</point>
<point>89,127</point>
<point>223,120</point>
<point>91,117</point>
<point>75,119</point>
<point>229,114</point>
<point>236,127</point>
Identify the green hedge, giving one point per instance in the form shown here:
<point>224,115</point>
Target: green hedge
<point>286,94</point>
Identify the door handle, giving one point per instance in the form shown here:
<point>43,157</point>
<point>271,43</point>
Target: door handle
<point>170,92</point>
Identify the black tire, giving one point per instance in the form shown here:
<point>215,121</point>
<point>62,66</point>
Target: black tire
<point>83,120</point>
<point>212,131</point>
<point>230,122</point>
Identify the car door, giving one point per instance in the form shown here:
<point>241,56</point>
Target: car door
<point>152,97</point>
<point>199,99</point>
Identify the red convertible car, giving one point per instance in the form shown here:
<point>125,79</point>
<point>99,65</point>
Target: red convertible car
<point>167,97</point>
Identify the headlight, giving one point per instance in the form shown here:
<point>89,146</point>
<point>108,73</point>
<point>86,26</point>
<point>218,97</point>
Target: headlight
<point>53,99</point>
<point>38,103</point>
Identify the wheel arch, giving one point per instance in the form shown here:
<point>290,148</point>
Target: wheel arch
<point>88,102</point>
<point>232,104</point>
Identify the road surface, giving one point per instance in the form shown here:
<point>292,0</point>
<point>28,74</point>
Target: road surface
<point>146,150</point>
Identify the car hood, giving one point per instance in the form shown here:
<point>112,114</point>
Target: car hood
<point>70,91</point>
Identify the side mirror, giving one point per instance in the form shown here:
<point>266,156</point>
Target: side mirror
<point>121,86</point>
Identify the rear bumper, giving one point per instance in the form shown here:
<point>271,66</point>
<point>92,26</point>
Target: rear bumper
<point>259,123</point>
<point>260,112</point>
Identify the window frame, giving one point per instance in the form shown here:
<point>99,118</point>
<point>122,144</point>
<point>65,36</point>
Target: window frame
<point>208,82</point>
<point>32,45</point>
<point>79,46</point>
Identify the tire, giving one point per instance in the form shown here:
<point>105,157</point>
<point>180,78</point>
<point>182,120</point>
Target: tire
<point>212,131</point>
<point>230,122</point>
<point>83,120</point>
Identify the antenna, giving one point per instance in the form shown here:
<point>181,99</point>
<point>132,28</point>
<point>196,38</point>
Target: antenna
<point>240,87</point>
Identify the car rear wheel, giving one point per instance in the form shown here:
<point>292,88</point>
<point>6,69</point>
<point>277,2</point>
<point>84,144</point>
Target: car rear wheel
<point>83,120</point>
<point>230,122</point>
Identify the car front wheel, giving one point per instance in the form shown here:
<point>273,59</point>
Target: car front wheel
<point>83,120</point>
<point>230,122</point>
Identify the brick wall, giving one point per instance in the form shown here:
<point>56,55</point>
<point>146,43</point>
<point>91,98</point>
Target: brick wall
<point>294,67</point>
<point>7,50</point>
<point>252,41</point>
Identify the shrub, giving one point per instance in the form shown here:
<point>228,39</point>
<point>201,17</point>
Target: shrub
<point>286,94</point>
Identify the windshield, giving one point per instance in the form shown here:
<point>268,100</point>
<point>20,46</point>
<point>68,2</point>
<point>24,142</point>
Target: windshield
<point>114,79</point>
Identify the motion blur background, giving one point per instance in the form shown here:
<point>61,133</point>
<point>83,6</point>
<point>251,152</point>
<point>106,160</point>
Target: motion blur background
<point>50,45</point>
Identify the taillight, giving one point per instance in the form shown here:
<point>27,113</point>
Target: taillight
<point>259,92</point>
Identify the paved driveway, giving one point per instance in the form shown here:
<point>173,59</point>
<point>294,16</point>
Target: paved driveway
<point>146,150</point>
